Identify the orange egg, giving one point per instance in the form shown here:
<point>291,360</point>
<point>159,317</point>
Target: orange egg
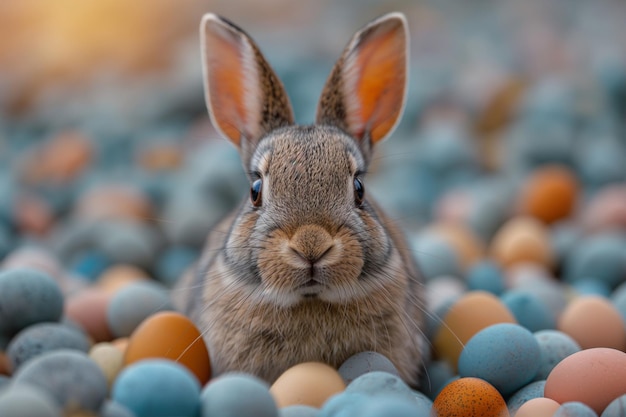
<point>550,193</point>
<point>470,314</point>
<point>469,397</point>
<point>310,383</point>
<point>593,321</point>
<point>118,276</point>
<point>5,364</point>
<point>592,376</point>
<point>172,336</point>
<point>538,407</point>
<point>522,240</point>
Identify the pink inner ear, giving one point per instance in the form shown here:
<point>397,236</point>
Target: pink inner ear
<point>231,75</point>
<point>375,78</point>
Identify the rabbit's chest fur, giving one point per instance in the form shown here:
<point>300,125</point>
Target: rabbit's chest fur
<point>266,340</point>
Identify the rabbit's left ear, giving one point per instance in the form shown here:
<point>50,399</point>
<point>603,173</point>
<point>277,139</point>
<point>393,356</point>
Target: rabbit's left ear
<point>244,96</point>
<point>365,92</point>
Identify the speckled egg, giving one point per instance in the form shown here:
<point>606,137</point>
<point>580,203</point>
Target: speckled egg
<point>173,336</point>
<point>310,383</point>
<point>27,296</point>
<point>525,394</point>
<point>554,347</point>
<point>470,397</point>
<point>44,337</point>
<point>505,355</point>
<point>593,321</point>
<point>157,388</point>
<point>74,380</point>
<point>298,411</point>
<point>379,383</point>
<point>365,362</point>
<point>238,395</point>
<point>470,314</point>
<point>593,376</point>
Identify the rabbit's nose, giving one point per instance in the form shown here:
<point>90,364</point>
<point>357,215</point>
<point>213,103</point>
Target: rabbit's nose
<point>311,243</point>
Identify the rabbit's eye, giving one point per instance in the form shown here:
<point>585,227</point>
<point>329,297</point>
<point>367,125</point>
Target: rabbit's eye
<point>255,192</point>
<point>359,191</point>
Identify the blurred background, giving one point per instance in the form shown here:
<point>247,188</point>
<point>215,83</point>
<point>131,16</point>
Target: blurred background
<point>107,154</point>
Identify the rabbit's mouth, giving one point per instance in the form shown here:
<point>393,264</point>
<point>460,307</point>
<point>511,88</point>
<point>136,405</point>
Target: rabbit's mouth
<point>311,289</point>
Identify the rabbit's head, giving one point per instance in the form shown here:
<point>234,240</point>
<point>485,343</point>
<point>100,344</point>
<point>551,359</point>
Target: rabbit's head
<point>308,231</point>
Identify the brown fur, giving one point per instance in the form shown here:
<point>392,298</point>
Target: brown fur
<point>309,275</point>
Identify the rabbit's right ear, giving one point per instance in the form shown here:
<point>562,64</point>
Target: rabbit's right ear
<point>244,96</point>
<point>366,90</point>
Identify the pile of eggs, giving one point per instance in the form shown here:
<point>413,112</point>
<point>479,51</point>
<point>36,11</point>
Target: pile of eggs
<point>515,211</point>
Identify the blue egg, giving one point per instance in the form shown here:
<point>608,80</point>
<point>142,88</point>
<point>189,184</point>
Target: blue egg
<point>574,409</point>
<point>173,262</point>
<point>554,346</point>
<point>69,376</point>
<point>485,276</point>
<point>344,404</point>
<point>435,257</point>
<point>617,408</point>
<point>44,337</point>
<point>530,391</point>
<point>391,405</point>
<point>113,409</point>
<point>602,256</point>
<point>365,362</point>
<point>591,286</point>
<point>529,310</point>
<point>21,400</point>
<point>298,411</point>
<point>157,388</point>
<point>505,355</point>
<point>90,264</point>
<point>377,383</point>
<point>238,395</point>
<point>133,304</point>
<point>27,296</point>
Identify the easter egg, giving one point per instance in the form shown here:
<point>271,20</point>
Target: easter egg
<point>470,314</point>
<point>505,355</point>
<point>538,407</point>
<point>88,308</point>
<point>69,376</point>
<point>157,388</point>
<point>521,240</point>
<point>172,336</point>
<point>549,194</point>
<point>133,304</point>
<point>470,397</point>
<point>44,337</point>
<point>594,376</point>
<point>593,321</point>
<point>26,400</point>
<point>365,362</point>
<point>310,383</point>
<point>236,395</point>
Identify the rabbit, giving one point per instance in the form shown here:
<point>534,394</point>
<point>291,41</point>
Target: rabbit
<point>308,267</point>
